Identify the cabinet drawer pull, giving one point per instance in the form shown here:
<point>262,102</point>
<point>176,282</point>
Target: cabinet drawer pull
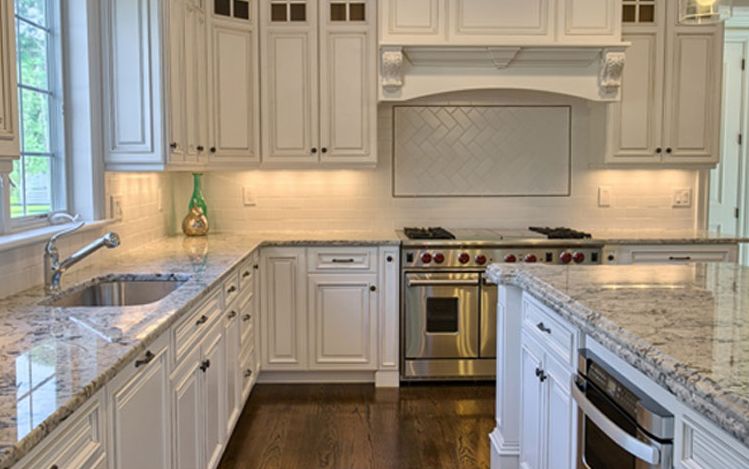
<point>205,365</point>
<point>343,261</point>
<point>203,319</point>
<point>680,258</point>
<point>213,150</point>
<point>231,289</point>
<point>173,145</point>
<point>373,288</point>
<point>390,258</point>
<point>54,466</point>
<point>232,315</point>
<point>542,327</point>
<point>246,274</point>
<point>541,375</point>
<point>247,373</point>
<point>246,317</point>
<point>255,266</point>
<point>148,358</point>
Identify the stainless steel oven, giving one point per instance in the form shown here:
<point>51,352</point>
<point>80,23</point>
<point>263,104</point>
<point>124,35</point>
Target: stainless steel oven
<point>619,426</point>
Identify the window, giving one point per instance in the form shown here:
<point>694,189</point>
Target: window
<point>37,180</point>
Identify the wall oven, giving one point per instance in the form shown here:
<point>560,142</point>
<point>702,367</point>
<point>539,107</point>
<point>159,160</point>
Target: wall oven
<point>619,426</point>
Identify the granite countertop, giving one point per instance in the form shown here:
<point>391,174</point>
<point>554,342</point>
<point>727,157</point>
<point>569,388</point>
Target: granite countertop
<point>648,237</point>
<point>686,326</point>
<point>54,359</point>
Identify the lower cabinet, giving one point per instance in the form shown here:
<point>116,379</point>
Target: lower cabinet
<point>670,254</point>
<point>139,418</point>
<point>548,419</point>
<point>187,412</point>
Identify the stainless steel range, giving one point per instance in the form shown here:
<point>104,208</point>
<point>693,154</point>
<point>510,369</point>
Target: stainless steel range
<point>448,309</point>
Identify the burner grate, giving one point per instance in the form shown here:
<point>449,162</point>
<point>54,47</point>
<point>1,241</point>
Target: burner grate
<point>428,233</point>
<point>560,233</point>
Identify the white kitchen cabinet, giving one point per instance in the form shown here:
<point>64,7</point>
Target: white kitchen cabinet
<point>232,342</point>
<point>318,66</point>
<point>235,84</point>
<point>493,21</point>
<point>187,412</point>
<point>213,366</point>
<point>585,20</point>
<point>412,21</point>
<point>532,402</point>
<point>9,125</point>
<point>389,317</point>
<point>343,313</point>
<point>670,254</point>
<point>195,79</point>
<point>284,309</point>
<point>140,394</point>
<point>670,108</point>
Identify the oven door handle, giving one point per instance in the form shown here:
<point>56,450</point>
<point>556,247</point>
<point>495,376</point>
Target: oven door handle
<point>627,442</point>
<point>442,283</point>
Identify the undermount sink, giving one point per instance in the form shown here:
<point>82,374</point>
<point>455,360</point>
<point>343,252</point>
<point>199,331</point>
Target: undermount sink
<point>118,293</point>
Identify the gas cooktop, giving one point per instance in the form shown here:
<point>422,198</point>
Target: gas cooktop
<point>439,233</point>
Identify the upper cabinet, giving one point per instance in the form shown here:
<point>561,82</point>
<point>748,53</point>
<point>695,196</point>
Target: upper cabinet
<point>499,22</point>
<point>319,80</point>
<point>671,89</point>
<point>9,135</point>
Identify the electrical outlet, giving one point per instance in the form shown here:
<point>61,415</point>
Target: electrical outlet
<point>682,198</point>
<point>115,208</point>
<point>604,196</point>
<point>248,198</point>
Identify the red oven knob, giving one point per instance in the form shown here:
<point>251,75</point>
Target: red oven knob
<point>565,257</point>
<point>464,258</point>
<point>511,258</point>
<point>439,258</point>
<point>426,258</point>
<point>481,259</point>
<point>578,257</point>
<point>531,258</point>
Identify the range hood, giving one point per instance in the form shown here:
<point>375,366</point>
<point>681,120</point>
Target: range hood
<point>592,72</point>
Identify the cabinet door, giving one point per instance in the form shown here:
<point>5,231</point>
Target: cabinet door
<point>635,123</point>
<point>9,144</point>
<point>582,20</point>
<point>389,304</point>
<point>560,421</point>
<point>289,65</point>
<point>343,313</point>
<point>694,82</point>
<point>235,94</point>
<point>284,309</point>
<point>412,21</point>
<point>196,83</point>
<point>139,410</point>
<point>348,89</point>
<point>214,385</point>
<point>178,80</point>
<point>232,371</point>
<point>497,21</point>
<point>531,437</point>
<point>187,412</point>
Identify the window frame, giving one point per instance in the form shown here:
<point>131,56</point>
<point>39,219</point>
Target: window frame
<point>58,159</point>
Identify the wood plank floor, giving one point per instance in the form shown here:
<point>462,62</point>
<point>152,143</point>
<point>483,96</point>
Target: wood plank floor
<point>360,427</point>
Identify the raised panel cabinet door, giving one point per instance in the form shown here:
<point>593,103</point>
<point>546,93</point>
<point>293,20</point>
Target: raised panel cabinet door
<point>531,405</point>
<point>9,138</point>
<point>213,367</point>
<point>343,312</point>
<point>694,82</point>
<point>196,84</point>
<point>561,422</point>
<point>139,413</point>
<point>493,21</point>
<point>187,412</point>
<point>348,88</point>
<point>232,371</point>
<point>636,122</point>
<point>235,94</point>
<point>179,80</point>
<point>389,304</point>
<point>590,19</point>
<point>289,78</point>
<point>283,306</point>
<point>412,21</point>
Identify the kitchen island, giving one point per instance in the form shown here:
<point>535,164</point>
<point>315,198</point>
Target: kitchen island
<point>679,332</point>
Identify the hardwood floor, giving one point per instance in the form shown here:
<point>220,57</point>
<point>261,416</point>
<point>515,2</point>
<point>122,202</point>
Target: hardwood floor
<point>360,427</point>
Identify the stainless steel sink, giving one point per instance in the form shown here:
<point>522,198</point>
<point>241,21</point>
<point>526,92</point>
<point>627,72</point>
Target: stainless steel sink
<point>118,293</point>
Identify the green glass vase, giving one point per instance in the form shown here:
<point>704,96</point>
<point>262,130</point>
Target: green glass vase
<point>196,221</point>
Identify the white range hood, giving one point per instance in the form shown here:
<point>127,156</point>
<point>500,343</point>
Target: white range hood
<point>592,72</point>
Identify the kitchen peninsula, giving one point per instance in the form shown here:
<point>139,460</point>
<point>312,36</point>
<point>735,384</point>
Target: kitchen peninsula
<point>681,333</point>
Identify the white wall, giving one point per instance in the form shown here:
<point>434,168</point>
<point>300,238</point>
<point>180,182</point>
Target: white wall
<point>361,198</point>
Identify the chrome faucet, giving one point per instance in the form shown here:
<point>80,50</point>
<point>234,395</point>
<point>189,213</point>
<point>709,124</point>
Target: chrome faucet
<point>54,268</point>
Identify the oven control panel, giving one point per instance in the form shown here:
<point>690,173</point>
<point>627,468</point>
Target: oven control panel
<point>437,258</point>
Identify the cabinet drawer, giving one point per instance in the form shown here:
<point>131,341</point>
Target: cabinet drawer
<point>704,449</point>
<point>231,287</point>
<point>553,333</point>
<point>188,331</point>
<point>342,259</point>
<point>248,371</point>
<point>247,317</point>
<point>247,272</point>
<point>77,444</point>
<point>681,255</point>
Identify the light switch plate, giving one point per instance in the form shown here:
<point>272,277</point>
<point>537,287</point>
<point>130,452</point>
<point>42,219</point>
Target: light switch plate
<point>682,198</point>
<point>604,196</point>
<point>248,197</point>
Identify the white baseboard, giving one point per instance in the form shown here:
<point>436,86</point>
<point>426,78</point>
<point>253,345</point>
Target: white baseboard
<point>503,456</point>
<point>387,379</point>
<point>300,377</point>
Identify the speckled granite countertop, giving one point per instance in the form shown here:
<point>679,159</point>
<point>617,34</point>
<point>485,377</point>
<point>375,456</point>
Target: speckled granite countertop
<point>54,359</point>
<point>686,327</point>
<point>648,237</point>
